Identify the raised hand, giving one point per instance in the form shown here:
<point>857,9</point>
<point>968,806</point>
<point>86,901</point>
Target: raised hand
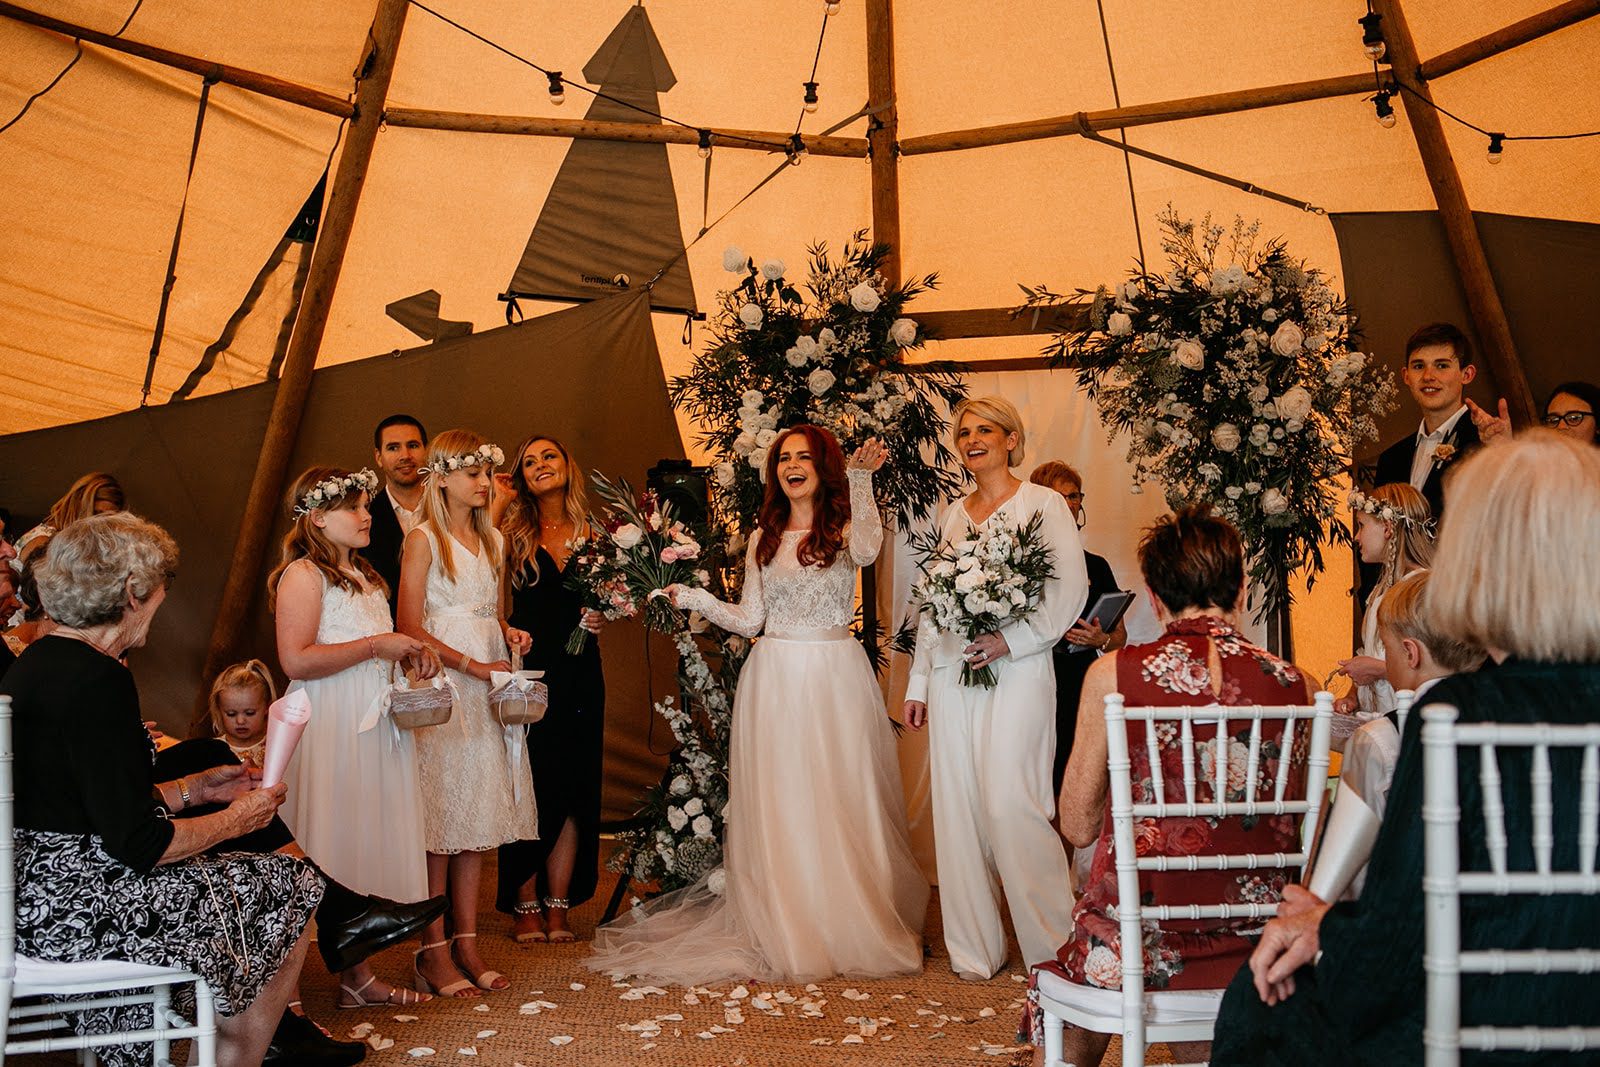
<point>870,456</point>
<point>1491,427</point>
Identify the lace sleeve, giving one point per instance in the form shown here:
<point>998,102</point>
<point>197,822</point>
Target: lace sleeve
<point>746,617</point>
<point>866,525</point>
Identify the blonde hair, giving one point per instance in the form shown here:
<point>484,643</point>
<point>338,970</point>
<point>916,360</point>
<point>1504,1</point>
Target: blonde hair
<point>239,676</point>
<point>1052,472</point>
<point>306,540</point>
<point>1411,544</point>
<point>1516,568</point>
<point>79,501</point>
<point>520,523</point>
<point>997,410</point>
<point>453,444</point>
<point>1404,612</point>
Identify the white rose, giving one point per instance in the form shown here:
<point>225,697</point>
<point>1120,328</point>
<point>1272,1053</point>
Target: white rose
<point>1269,315</point>
<point>1295,403</point>
<point>734,259</point>
<point>1229,279</point>
<point>752,398</point>
<point>864,297</point>
<point>1252,487</point>
<point>627,535</point>
<point>1189,354</point>
<point>702,826</point>
<point>1294,425</point>
<point>1225,436</point>
<point>903,332</point>
<point>974,602</point>
<point>795,357</point>
<point>772,270</point>
<point>807,347</point>
<point>1259,433</point>
<point>717,881</point>
<point>676,817</point>
<point>694,806</point>
<point>751,315</point>
<point>1259,393</point>
<point>744,443</point>
<point>724,474</point>
<point>680,786</point>
<point>765,438</point>
<point>1287,339</point>
<point>758,459</point>
<point>1210,472</point>
<point>826,339</point>
<point>1273,503</point>
<point>820,381</point>
<point>1118,324</point>
<point>1233,492</point>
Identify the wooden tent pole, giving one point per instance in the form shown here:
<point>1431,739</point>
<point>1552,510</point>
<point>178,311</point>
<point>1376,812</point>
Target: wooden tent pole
<point>1461,230</point>
<point>1520,32</point>
<point>264,84</point>
<point>294,384</point>
<point>883,134</point>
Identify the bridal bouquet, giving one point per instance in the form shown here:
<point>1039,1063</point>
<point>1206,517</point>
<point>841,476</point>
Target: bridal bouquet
<point>636,551</point>
<point>984,582</point>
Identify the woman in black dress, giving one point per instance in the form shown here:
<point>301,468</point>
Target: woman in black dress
<point>1084,642</point>
<point>545,513</point>
<point>102,871</point>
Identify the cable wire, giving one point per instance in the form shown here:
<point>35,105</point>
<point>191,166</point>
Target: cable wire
<point>76,55</point>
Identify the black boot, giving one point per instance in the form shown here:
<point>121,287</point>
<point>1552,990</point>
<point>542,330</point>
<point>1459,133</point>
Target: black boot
<point>351,926</point>
<point>299,1042</point>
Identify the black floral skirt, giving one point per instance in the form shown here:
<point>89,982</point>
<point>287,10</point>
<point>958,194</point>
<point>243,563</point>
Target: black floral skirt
<point>232,919</point>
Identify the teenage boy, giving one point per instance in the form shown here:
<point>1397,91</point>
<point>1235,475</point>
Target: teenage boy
<point>400,448</point>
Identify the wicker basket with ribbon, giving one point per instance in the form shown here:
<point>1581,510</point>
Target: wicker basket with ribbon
<point>517,697</point>
<point>414,705</point>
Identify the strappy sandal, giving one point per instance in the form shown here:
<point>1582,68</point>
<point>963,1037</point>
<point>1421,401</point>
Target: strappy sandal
<point>560,937</point>
<point>459,989</point>
<point>487,979</point>
<point>524,908</point>
<point>408,997</point>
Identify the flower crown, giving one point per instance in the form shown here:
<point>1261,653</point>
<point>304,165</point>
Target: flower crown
<point>329,490</point>
<point>1360,501</point>
<point>484,455</point>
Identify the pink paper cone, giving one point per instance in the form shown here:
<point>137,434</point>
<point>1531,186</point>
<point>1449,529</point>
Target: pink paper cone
<point>286,721</point>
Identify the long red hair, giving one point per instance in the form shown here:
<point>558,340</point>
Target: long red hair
<point>822,544</point>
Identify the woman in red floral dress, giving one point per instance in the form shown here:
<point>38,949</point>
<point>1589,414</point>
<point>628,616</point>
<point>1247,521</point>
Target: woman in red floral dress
<point>1193,564</point>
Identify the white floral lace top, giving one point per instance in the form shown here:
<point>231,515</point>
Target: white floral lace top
<point>785,597</point>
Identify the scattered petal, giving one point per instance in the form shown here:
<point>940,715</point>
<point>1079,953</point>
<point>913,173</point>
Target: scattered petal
<point>577,987</point>
<point>988,1013</point>
<point>378,1042</point>
<point>405,1018</point>
<point>739,992</point>
<point>481,1007</point>
<point>822,1041</point>
<point>561,1039</point>
<point>648,1047</point>
<point>420,1051</point>
<point>487,1033</point>
<point>470,1050</point>
<point>360,1031</point>
<point>852,1039</point>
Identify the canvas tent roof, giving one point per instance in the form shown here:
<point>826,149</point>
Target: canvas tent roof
<point>95,171</point>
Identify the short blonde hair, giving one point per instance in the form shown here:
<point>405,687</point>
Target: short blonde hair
<point>93,566</point>
<point>998,410</point>
<point>1052,472</point>
<point>1403,611</point>
<point>1516,568</point>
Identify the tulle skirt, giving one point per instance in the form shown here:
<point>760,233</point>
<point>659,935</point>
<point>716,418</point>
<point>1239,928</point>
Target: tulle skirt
<point>819,876</point>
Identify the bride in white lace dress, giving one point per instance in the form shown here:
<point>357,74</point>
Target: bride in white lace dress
<point>819,874</point>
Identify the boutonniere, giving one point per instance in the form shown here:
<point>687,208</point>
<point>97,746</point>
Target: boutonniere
<point>1444,453</point>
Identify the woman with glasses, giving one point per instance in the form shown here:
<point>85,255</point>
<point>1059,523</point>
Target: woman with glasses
<point>1570,410</point>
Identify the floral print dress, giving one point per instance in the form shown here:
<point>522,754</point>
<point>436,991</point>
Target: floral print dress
<point>1204,954</point>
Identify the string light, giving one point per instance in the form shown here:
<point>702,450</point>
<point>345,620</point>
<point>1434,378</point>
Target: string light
<point>1372,41</point>
<point>811,96</point>
<point>558,92</point>
<point>1385,110</point>
<point>705,144</point>
<point>797,150</point>
<point>1497,144</point>
<point>831,7</point>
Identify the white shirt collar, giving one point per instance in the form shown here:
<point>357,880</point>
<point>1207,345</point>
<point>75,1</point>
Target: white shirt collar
<point>1444,429</point>
<point>408,516</point>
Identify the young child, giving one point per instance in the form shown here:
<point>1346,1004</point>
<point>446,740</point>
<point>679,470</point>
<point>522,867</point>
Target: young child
<point>239,700</point>
<point>1393,528</point>
<point>477,792</point>
<point>353,798</point>
<point>1417,657</point>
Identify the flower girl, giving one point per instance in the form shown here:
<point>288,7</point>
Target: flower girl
<point>238,703</point>
<point>1394,527</point>
<point>352,802</point>
<point>477,793</point>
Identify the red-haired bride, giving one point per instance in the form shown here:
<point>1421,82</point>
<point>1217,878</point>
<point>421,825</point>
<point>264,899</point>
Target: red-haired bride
<point>818,874</point>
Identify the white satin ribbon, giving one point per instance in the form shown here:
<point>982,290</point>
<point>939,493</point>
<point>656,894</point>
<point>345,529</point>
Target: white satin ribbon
<point>515,736</point>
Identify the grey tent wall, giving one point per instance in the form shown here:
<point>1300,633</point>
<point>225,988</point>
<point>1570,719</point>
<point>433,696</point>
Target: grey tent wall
<point>590,376</point>
<point>1398,275</point>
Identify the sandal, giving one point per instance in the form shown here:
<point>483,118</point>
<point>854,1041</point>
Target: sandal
<point>560,937</point>
<point>488,979</point>
<point>408,997</point>
<point>522,909</point>
<point>459,989</point>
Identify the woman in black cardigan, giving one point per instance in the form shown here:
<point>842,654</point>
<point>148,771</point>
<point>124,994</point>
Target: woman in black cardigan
<point>1516,573</point>
<point>102,871</point>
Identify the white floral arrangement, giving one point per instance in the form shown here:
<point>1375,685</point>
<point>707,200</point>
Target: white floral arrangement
<point>833,355</point>
<point>485,455</point>
<point>983,582</point>
<point>1237,380</point>
<point>332,490</point>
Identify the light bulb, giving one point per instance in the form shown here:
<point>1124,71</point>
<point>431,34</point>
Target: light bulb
<point>831,7</point>
<point>797,150</point>
<point>1497,144</point>
<point>811,96</point>
<point>558,93</point>
<point>1372,42</point>
<point>1377,50</point>
<point>705,144</point>
<point>1384,109</point>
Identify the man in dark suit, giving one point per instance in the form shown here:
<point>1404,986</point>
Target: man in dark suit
<point>400,447</point>
<point>1438,369</point>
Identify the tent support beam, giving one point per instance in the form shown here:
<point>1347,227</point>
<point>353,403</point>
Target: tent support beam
<point>883,135</point>
<point>1518,33</point>
<point>1461,230</point>
<point>294,384</point>
<point>264,84</point>
<point>603,130</point>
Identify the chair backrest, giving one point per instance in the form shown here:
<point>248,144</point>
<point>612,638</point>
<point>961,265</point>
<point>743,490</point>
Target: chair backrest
<point>8,879</point>
<point>1279,723</point>
<point>1444,882</point>
<point>1403,700</point>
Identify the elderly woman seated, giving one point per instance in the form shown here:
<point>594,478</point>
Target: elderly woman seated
<point>1193,565</point>
<point>102,872</point>
<point>1516,573</point>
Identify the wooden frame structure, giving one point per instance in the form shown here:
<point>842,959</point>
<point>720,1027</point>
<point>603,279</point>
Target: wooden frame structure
<point>368,110</point>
